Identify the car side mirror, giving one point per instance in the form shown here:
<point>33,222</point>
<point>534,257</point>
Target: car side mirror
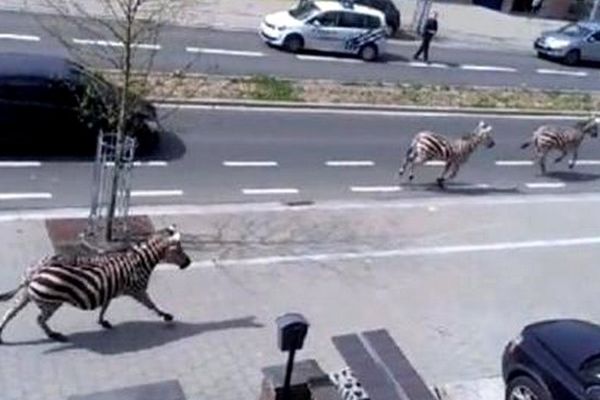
<point>315,22</point>
<point>593,393</point>
<point>591,39</point>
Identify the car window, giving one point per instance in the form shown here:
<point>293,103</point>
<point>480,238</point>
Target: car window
<point>305,10</point>
<point>373,22</point>
<point>27,90</point>
<point>596,36</point>
<point>352,20</point>
<point>328,19</point>
<point>575,30</point>
<point>591,368</point>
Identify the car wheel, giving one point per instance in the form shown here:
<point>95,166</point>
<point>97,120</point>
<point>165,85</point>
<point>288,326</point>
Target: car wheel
<point>293,43</point>
<point>525,388</point>
<point>572,57</point>
<point>368,52</point>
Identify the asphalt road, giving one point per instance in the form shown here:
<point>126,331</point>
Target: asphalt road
<point>211,156</point>
<point>242,53</point>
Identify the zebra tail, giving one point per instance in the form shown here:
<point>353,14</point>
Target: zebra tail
<point>525,145</point>
<point>9,295</point>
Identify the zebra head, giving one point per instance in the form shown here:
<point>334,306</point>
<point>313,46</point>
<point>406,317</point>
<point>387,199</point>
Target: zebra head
<point>174,253</point>
<point>590,126</point>
<point>483,132</point>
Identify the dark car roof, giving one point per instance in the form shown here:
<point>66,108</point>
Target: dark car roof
<point>35,65</point>
<point>571,341</point>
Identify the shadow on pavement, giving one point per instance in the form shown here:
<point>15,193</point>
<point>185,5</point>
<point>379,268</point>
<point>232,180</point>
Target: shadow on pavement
<point>466,189</point>
<point>171,147</point>
<point>573,176</point>
<point>143,335</point>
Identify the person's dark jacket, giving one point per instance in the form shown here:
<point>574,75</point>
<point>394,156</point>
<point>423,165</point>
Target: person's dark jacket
<point>431,27</point>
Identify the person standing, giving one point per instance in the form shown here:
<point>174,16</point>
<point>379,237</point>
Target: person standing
<point>429,31</point>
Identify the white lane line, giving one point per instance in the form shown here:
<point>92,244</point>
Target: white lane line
<point>435,163</point>
<point>269,191</point>
<point>546,185</point>
<point>25,196</point>
<point>418,64</point>
<point>156,193</point>
<point>544,71</point>
<point>225,52</point>
<point>405,252</point>
<point>144,163</point>
<point>324,58</point>
<point>14,36</point>
<point>112,43</point>
<point>20,164</point>
<point>250,164</point>
<point>588,162</point>
<point>514,163</point>
<point>475,186</point>
<point>375,189</point>
<point>350,163</point>
<point>355,112</point>
<point>487,68</point>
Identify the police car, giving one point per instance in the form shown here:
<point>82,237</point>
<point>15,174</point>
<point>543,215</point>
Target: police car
<point>334,26</point>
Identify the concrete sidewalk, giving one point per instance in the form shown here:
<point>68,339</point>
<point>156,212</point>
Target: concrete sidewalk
<point>419,269</point>
<point>461,25</point>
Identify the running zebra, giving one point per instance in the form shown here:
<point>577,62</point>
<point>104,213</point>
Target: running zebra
<point>92,282</point>
<point>564,139</point>
<point>429,146</point>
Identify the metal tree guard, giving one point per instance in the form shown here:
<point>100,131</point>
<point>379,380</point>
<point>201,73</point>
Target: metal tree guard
<point>105,168</point>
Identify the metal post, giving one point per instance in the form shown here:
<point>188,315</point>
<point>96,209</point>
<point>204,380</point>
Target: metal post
<point>594,12</point>
<point>288,375</point>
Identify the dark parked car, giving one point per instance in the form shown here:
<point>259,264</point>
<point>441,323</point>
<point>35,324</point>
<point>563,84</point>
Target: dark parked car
<point>392,14</point>
<point>52,102</point>
<point>554,360</point>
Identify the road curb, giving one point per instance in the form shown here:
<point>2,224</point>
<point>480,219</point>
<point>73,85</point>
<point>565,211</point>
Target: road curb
<point>364,107</point>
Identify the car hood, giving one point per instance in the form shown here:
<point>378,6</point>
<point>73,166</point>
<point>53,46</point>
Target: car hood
<point>571,342</point>
<point>282,18</point>
<point>553,35</point>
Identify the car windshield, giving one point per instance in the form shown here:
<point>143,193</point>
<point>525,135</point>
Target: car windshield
<point>304,10</point>
<point>575,30</point>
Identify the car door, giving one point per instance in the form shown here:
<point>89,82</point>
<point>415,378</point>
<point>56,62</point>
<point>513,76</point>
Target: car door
<point>351,26</point>
<point>591,47</point>
<point>322,31</point>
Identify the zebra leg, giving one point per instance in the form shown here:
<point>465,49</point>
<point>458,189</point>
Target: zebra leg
<point>144,299</point>
<point>21,301</point>
<point>573,160</point>
<point>541,160</point>
<point>560,158</point>
<point>103,322</point>
<point>408,160</point>
<point>47,310</point>
<point>442,178</point>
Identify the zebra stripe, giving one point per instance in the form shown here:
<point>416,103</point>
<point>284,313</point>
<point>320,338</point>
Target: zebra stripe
<point>90,282</point>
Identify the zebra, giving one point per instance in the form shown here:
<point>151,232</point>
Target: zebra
<point>428,146</point>
<point>92,282</point>
<point>564,139</point>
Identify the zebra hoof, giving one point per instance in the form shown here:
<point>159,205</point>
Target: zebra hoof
<point>571,166</point>
<point>167,317</point>
<point>410,178</point>
<point>106,324</point>
<point>59,337</point>
<point>440,183</point>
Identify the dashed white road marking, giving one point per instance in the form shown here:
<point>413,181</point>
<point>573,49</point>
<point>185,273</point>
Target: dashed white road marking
<point>269,191</point>
<point>250,163</point>
<point>545,71</point>
<point>475,186</point>
<point>405,252</point>
<point>514,163</point>
<point>14,36</point>
<point>325,58</point>
<point>20,164</point>
<point>546,185</point>
<point>225,52</point>
<point>112,43</point>
<point>588,162</point>
<point>156,193</point>
<point>350,163</point>
<point>487,68</point>
<point>375,189</point>
<point>26,196</point>
<point>419,64</point>
<point>144,163</point>
<point>435,163</point>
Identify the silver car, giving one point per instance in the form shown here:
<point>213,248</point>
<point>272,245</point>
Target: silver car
<point>571,43</point>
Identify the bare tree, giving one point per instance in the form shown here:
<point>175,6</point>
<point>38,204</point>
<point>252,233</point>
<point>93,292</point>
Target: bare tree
<point>122,35</point>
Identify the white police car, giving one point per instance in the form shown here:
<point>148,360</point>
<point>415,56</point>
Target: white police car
<point>335,26</point>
